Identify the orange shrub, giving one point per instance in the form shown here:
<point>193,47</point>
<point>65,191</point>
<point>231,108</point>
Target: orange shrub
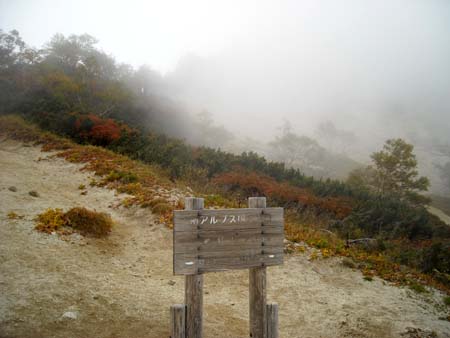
<point>253,183</point>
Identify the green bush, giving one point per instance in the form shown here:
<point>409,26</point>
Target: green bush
<point>418,288</point>
<point>124,177</point>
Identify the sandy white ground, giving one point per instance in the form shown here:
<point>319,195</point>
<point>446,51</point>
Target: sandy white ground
<point>123,286</point>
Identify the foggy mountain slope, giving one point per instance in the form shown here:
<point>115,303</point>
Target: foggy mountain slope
<point>336,111</point>
<point>329,62</point>
<point>256,63</point>
<point>123,285</point>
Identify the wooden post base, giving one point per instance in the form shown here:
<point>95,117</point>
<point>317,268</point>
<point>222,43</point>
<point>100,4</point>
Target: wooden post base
<point>178,321</point>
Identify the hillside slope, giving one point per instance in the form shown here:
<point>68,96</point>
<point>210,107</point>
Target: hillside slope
<point>122,286</point>
<point>439,213</point>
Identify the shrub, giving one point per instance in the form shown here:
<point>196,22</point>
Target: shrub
<point>124,177</point>
<point>437,256</point>
<point>97,130</point>
<point>215,200</point>
<point>51,220</point>
<point>161,208</point>
<point>130,188</point>
<point>418,288</point>
<point>79,219</point>
<point>255,184</point>
<point>87,222</point>
<point>151,203</point>
<point>447,300</point>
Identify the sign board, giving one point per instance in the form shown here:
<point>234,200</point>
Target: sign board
<point>217,240</point>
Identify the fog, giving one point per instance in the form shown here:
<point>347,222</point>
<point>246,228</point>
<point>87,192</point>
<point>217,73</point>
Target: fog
<point>357,63</point>
<point>374,69</point>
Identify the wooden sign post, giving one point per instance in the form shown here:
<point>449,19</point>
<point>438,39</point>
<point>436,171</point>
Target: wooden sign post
<point>219,240</point>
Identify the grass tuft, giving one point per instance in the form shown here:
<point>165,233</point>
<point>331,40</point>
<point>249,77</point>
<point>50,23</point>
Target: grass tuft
<point>13,215</point>
<point>447,300</point>
<point>418,288</point>
<point>162,208</point>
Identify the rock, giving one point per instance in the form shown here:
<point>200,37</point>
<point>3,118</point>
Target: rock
<point>33,193</point>
<point>12,188</point>
<point>412,332</point>
<point>70,315</point>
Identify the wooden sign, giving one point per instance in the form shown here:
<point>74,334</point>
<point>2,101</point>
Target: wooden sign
<point>217,240</point>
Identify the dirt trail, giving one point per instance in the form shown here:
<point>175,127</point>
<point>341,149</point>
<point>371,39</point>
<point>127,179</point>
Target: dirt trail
<point>123,286</point>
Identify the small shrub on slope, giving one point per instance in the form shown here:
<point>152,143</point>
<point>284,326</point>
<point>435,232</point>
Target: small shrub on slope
<point>87,222</point>
<point>82,220</point>
<point>51,220</point>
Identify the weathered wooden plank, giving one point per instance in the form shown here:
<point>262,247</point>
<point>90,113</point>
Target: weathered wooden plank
<point>257,288</point>
<point>190,264</point>
<point>227,251</point>
<point>209,235</point>
<point>178,321</point>
<point>213,241</point>
<point>271,320</point>
<point>227,219</point>
<point>267,228</point>
<point>236,254</point>
<point>193,289</point>
<point>184,227</point>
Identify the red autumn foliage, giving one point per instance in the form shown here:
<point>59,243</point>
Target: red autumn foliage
<point>108,131</point>
<point>98,130</point>
<point>253,183</point>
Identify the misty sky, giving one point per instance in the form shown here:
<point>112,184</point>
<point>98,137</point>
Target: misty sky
<point>358,63</point>
<point>157,33</point>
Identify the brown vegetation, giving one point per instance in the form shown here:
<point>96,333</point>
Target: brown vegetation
<point>82,220</point>
<point>87,222</point>
<point>253,184</point>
